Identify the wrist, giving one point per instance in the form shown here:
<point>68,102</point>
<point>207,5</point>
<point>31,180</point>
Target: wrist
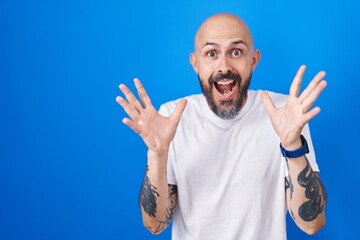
<point>293,145</point>
<point>157,154</point>
<point>157,162</point>
<point>295,150</point>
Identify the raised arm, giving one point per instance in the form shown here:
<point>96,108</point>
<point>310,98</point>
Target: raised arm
<point>305,194</point>
<point>157,199</point>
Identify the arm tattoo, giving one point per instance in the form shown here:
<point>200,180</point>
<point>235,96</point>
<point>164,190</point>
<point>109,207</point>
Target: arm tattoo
<point>314,191</point>
<point>169,212</point>
<point>148,196</point>
<point>148,200</point>
<point>289,185</point>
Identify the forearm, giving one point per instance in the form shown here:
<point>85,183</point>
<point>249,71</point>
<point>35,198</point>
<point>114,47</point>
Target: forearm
<point>156,199</point>
<point>306,195</point>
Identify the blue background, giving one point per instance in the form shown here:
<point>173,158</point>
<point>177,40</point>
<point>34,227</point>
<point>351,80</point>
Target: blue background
<point>69,169</point>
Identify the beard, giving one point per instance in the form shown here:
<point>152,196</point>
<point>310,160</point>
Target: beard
<point>226,109</point>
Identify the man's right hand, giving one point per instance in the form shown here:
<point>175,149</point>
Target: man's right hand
<point>156,131</point>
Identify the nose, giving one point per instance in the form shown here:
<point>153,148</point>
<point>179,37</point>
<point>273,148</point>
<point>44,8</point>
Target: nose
<point>224,65</point>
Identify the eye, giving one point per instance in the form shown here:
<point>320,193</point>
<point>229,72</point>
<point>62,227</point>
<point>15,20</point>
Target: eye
<point>211,54</point>
<point>236,52</point>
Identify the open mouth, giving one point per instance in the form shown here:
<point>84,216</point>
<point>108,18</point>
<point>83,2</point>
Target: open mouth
<point>225,88</point>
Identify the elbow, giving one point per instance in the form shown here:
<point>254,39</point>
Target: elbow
<point>314,228</point>
<point>312,231</point>
<point>153,228</point>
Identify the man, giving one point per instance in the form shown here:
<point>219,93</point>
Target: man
<point>214,162</point>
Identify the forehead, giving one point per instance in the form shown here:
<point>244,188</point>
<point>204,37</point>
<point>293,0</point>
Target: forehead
<point>221,30</point>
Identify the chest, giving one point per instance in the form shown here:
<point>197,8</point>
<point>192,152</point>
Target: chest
<point>209,155</point>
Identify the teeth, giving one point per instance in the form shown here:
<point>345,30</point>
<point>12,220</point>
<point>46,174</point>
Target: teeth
<point>226,82</point>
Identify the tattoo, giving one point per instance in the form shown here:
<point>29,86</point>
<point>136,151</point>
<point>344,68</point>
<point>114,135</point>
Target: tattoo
<point>169,212</point>
<point>314,191</point>
<point>292,214</point>
<point>289,185</point>
<point>148,200</point>
<point>148,196</point>
<point>172,190</point>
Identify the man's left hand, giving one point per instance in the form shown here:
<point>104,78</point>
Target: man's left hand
<point>288,121</point>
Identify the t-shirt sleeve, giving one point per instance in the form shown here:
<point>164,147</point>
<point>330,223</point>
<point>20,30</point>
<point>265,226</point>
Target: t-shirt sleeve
<point>165,111</point>
<point>170,168</point>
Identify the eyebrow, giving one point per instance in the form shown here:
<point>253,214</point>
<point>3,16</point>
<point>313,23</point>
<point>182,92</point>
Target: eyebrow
<point>216,44</point>
<point>211,44</point>
<point>238,42</point>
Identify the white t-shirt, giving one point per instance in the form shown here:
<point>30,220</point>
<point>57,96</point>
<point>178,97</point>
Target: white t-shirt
<point>230,174</point>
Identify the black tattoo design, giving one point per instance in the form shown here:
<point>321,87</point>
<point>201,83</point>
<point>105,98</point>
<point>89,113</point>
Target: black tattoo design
<point>148,200</point>
<point>314,191</point>
<point>292,214</point>
<point>148,196</point>
<point>289,185</point>
<point>169,212</point>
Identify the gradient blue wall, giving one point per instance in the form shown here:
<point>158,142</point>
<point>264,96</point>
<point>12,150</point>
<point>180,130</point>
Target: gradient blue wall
<point>69,169</point>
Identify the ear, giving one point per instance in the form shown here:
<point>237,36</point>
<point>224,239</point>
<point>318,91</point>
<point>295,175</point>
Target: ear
<point>256,59</point>
<point>194,63</point>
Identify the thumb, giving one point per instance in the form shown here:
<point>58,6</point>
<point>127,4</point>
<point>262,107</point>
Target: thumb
<point>180,107</point>
<point>269,105</point>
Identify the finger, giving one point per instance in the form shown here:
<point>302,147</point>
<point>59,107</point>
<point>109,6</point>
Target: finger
<point>133,125</point>
<point>312,85</point>
<point>314,95</point>
<point>130,97</point>
<point>296,84</point>
<point>269,105</point>
<point>311,114</point>
<point>176,115</point>
<point>128,108</point>
<point>144,97</point>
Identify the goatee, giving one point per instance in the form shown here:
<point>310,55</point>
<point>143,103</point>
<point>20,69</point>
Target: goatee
<point>227,109</point>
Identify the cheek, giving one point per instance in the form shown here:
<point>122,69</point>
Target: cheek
<point>244,69</point>
<point>204,73</point>
<point>205,82</point>
<point>206,65</point>
<point>249,64</point>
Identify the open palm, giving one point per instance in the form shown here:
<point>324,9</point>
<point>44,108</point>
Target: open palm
<point>156,131</point>
<point>289,120</point>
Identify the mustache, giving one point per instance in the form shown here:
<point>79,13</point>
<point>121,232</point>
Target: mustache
<point>221,76</point>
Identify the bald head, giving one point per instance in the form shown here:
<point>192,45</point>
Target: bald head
<point>224,60</point>
<point>221,26</point>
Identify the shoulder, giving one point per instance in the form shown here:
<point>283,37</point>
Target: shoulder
<point>194,101</point>
<point>278,99</point>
